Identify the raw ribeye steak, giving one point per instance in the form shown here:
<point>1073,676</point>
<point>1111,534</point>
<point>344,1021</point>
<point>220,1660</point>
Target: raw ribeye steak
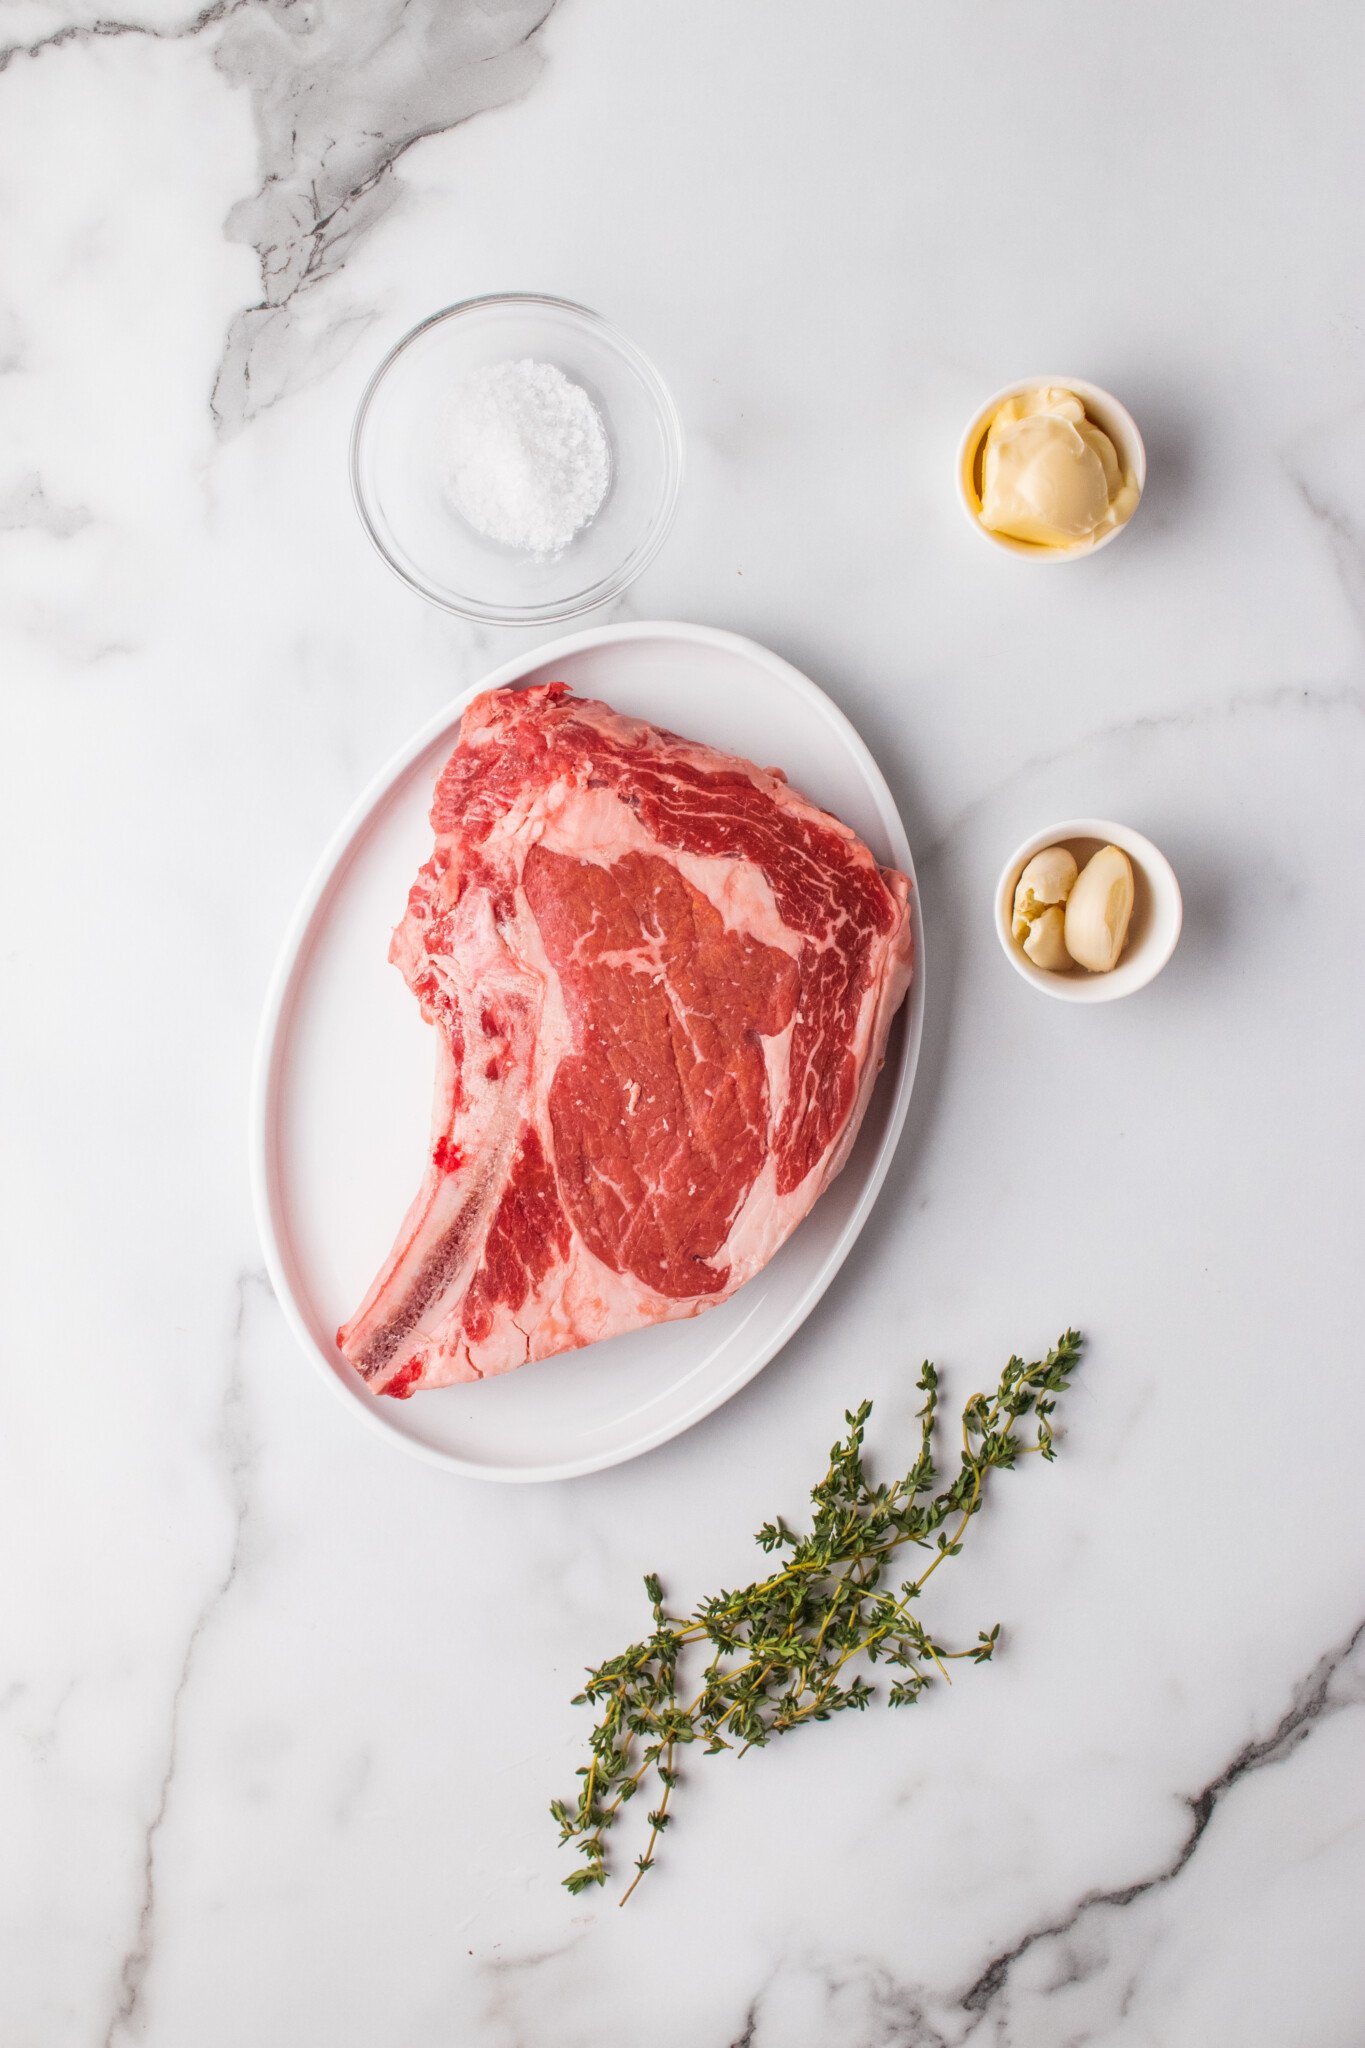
<point>661,983</point>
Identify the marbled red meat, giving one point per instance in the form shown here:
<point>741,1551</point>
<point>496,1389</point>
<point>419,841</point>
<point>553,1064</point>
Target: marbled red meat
<point>661,983</point>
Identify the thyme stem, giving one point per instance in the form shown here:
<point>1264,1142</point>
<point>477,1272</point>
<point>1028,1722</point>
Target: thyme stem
<point>780,1646</point>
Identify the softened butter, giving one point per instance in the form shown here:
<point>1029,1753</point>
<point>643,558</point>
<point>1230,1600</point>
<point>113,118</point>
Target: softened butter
<point>1049,475</point>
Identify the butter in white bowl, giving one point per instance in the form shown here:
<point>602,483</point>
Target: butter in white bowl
<point>1051,468</point>
<point>1049,475</point>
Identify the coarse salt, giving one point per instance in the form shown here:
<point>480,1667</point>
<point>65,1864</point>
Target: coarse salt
<point>529,462</point>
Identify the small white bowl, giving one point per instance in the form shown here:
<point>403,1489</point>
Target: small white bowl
<point>1157,911</point>
<point>1107,413</point>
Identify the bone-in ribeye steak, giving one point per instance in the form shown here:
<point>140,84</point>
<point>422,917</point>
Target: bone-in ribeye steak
<point>661,983</point>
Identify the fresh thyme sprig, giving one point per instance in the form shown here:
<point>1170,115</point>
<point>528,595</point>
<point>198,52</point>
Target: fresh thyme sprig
<point>781,1646</point>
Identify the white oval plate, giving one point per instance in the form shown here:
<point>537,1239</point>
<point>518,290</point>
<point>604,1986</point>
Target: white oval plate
<point>342,1085</point>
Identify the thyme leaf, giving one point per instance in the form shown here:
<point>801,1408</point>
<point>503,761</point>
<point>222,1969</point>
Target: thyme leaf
<point>781,1647</point>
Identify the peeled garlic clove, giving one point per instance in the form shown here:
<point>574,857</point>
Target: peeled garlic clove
<point>1045,941</point>
<point>1098,910</point>
<point>1048,878</point>
<point>1050,875</point>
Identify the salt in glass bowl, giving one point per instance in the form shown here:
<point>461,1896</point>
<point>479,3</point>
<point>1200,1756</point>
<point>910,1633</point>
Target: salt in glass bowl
<point>401,483</point>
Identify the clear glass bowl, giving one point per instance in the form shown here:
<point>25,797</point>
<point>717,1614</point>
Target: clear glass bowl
<point>401,489</point>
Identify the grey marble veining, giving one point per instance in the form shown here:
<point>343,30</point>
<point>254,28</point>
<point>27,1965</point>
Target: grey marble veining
<point>26,503</point>
<point>1091,1949</point>
<point>1336,1684</point>
<point>338,93</point>
<point>234,1447</point>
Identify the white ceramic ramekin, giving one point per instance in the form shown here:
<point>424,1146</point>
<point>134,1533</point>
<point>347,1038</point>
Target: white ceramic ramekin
<point>1104,409</point>
<point>1157,911</point>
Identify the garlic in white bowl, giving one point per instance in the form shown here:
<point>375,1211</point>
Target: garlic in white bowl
<point>1124,924</point>
<point>1039,915</point>
<point>1098,911</point>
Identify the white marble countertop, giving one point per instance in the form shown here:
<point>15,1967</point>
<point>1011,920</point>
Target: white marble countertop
<point>280,1712</point>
